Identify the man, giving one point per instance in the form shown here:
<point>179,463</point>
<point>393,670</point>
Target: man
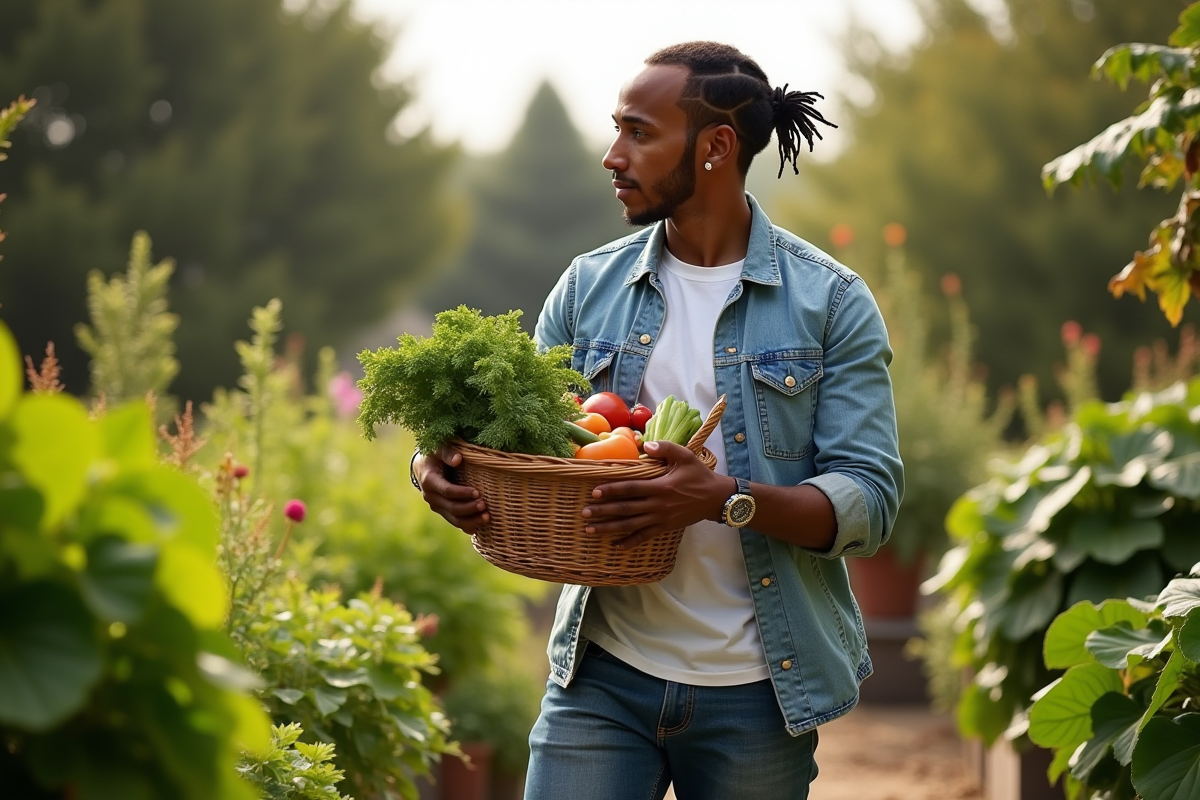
<point>715,678</point>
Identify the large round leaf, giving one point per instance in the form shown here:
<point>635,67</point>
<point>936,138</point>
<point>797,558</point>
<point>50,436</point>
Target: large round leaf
<point>1115,720</point>
<point>1061,716</point>
<point>1121,645</point>
<point>11,377</point>
<point>1064,644</point>
<point>1179,476</point>
<point>192,583</point>
<point>56,445</point>
<point>1034,602</point>
<point>179,507</point>
<point>1180,598</point>
<point>1189,636</point>
<point>1166,760</point>
<point>118,579</point>
<point>127,433</point>
<point>1113,541</point>
<point>1132,455</point>
<point>49,659</point>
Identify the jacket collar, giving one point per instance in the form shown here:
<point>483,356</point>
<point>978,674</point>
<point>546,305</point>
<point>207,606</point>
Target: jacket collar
<point>761,265</point>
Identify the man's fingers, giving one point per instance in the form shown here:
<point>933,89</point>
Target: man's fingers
<point>449,455</point>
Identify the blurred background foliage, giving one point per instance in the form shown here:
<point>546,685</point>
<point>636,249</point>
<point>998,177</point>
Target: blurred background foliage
<point>252,142</point>
<point>950,142</point>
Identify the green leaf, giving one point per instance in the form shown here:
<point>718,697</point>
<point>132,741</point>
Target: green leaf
<point>1064,646</point>
<point>386,684</point>
<point>328,698</point>
<point>345,678</point>
<point>118,579</point>
<point>1132,455</point>
<point>11,376</point>
<point>1166,760</point>
<point>1179,476</point>
<point>191,582</point>
<point>49,660</point>
<point>1188,32</point>
<point>1189,637</point>
<point>1061,715</point>
<point>56,445</point>
<point>1115,719</point>
<point>1139,577</point>
<point>127,434</point>
<point>1032,606</point>
<point>1168,682</point>
<point>1120,646</point>
<point>289,696</point>
<point>179,506</point>
<point>980,716</point>
<point>964,519</point>
<point>1114,541</point>
<point>1181,596</point>
<point>1146,62</point>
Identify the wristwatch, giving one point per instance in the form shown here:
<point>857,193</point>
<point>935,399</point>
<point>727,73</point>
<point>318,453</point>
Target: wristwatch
<point>739,508</point>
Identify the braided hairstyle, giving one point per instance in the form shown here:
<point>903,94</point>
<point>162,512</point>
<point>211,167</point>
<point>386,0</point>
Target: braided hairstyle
<point>726,87</point>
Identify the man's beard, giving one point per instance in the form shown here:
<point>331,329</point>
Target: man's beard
<point>674,190</point>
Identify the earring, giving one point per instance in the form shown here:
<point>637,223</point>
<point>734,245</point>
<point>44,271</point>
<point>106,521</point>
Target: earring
<point>708,165</point>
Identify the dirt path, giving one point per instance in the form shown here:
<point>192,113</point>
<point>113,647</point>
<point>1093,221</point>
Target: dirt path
<point>891,753</point>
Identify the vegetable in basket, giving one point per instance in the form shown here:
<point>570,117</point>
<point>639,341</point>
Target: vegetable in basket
<point>673,421</point>
<point>477,378</point>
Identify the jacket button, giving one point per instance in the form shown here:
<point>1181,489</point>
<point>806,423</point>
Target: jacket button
<point>730,349</point>
<point>786,665</point>
<point>739,437</point>
<point>644,338</point>
<point>766,581</point>
<point>789,381</point>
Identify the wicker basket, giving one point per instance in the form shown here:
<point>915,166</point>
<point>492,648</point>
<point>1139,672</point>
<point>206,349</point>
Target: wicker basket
<point>535,525</point>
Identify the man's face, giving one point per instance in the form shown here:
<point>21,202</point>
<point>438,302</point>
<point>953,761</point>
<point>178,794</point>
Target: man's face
<point>653,157</point>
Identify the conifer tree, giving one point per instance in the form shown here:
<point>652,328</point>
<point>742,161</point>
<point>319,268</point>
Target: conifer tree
<point>250,138</point>
<point>952,144</point>
<point>542,201</point>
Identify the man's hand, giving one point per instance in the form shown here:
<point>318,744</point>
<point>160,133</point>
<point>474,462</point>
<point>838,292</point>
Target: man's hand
<point>460,505</point>
<point>688,493</point>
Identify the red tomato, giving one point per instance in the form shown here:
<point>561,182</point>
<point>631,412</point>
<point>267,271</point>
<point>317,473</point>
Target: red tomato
<point>639,415</point>
<point>594,423</point>
<point>609,447</point>
<point>610,406</point>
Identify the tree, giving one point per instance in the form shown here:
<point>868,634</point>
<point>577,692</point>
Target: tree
<point>952,146</point>
<point>250,140</point>
<point>537,205</point>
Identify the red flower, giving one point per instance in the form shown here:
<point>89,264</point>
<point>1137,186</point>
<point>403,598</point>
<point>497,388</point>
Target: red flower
<point>240,471</point>
<point>842,235</point>
<point>1072,331</point>
<point>894,234</point>
<point>295,510</point>
<point>951,285</point>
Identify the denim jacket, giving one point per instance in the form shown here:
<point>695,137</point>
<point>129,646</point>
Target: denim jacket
<point>801,353</point>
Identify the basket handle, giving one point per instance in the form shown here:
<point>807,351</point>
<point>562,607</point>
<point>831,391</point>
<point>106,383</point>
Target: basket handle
<point>696,443</point>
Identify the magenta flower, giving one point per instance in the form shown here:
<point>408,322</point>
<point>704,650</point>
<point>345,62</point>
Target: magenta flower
<point>295,510</point>
<point>240,471</point>
<point>345,394</point>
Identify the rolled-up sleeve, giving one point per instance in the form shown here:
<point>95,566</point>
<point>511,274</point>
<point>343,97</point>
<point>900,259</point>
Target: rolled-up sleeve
<point>854,431</point>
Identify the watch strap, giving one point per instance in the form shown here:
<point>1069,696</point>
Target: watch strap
<point>743,485</point>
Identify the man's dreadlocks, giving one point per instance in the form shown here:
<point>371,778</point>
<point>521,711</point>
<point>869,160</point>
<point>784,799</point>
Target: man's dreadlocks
<point>726,87</point>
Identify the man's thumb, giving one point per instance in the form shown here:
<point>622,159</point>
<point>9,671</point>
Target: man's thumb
<point>666,450</point>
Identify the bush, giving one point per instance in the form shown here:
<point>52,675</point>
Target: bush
<point>1106,507</point>
<point>116,679</point>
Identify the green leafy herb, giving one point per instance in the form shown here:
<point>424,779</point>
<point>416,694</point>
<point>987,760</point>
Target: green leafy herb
<point>478,378</point>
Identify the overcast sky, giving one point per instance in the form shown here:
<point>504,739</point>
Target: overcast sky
<point>476,63</point>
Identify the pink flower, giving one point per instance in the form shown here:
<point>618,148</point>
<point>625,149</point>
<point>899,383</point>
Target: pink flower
<point>240,471</point>
<point>951,285</point>
<point>295,510</point>
<point>1071,332</point>
<point>1091,344</point>
<point>345,394</point>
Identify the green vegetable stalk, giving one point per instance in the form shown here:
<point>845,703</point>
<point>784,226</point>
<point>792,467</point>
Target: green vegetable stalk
<point>477,378</point>
<point>673,421</point>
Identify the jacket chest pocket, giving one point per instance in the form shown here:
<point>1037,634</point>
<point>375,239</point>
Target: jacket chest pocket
<point>595,364</point>
<point>785,389</point>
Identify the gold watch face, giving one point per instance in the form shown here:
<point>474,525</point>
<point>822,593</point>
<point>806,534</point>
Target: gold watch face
<point>741,509</point>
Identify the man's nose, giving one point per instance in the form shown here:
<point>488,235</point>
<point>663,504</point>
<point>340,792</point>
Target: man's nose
<point>614,159</point>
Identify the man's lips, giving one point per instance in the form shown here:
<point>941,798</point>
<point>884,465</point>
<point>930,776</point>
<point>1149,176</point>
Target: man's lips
<point>624,188</point>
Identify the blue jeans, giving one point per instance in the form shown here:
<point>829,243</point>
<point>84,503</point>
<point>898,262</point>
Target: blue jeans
<point>617,733</point>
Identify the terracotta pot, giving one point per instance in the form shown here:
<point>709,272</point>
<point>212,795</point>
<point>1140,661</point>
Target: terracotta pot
<point>885,588</point>
<point>461,781</point>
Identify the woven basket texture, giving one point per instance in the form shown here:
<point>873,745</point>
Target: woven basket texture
<point>535,505</point>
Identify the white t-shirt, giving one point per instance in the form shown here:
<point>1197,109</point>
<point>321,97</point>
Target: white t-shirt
<point>697,625</point>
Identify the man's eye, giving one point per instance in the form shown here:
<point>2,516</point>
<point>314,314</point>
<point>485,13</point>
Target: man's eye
<point>638,134</point>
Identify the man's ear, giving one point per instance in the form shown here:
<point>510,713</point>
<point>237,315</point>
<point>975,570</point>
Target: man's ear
<point>718,145</point>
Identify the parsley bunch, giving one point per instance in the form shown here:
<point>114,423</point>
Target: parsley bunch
<point>478,378</point>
